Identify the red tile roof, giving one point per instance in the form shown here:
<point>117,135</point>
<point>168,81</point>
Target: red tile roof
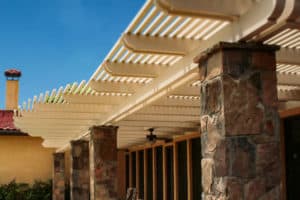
<point>7,122</point>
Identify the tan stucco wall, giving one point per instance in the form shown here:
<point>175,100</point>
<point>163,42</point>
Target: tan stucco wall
<point>24,159</point>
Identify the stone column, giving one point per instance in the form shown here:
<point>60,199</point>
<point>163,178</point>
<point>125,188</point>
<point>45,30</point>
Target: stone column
<point>240,123</point>
<point>80,167</point>
<point>58,184</point>
<point>103,163</point>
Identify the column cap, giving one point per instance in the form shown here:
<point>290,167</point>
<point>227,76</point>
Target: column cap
<point>104,127</point>
<point>249,46</point>
<point>79,141</point>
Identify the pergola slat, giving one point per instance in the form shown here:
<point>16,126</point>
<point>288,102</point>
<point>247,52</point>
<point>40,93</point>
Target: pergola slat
<point>100,99</point>
<point>133,70</point>
<point>114,87</point>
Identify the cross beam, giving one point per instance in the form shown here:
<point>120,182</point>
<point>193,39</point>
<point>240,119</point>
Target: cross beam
<point>158,45</point>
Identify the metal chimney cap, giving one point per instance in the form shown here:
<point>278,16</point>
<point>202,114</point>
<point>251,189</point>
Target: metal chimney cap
<point>13,73</point>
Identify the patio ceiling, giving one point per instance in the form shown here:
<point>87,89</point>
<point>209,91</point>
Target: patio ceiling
<point>149,79</point>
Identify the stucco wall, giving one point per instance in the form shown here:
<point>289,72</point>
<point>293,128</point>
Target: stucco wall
<point>24,159</point>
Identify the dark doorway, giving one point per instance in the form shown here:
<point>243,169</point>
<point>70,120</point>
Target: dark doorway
<point>292,156</point>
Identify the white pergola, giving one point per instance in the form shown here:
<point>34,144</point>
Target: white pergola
<point>148,79</point>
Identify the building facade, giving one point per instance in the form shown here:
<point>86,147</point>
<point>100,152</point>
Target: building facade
<point>196,100</point>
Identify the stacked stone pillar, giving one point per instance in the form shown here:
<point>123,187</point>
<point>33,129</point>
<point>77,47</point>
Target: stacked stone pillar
<point>58,190</point>
<point>80,176</point>
<point>103,163</point>
<point>240,123</point>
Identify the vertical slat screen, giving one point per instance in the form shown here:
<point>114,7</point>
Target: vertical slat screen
<point>166,171</point>
<point>127,170</point>
<point>141,174</point>
<point>133,169</point>
<point>159,173</point>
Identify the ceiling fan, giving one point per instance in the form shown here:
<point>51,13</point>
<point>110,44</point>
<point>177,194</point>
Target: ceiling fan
<point>151,137</point>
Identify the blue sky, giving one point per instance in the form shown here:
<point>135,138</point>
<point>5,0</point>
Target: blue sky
<point>55,42</point>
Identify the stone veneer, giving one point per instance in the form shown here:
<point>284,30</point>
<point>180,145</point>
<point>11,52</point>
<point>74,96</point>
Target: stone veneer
<point>240,123</point>
<point>80,176</point>
<point>103,163</point>
<point>58,176</point>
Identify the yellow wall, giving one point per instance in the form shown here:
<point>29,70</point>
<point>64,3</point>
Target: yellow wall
<point>24,159</point>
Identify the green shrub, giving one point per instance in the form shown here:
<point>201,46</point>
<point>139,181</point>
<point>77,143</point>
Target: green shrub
<point>22,191</point>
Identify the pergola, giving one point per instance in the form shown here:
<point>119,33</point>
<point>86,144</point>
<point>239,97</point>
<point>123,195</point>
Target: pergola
<point>149,79</point>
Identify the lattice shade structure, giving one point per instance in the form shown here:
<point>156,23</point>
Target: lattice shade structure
<point>148,79</point>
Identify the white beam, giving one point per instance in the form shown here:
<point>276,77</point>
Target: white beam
<point>116,87</point>
<point>42,132</point>
<point>181,72</point>
<point>61,115</point>
<point>82,99</point>
<point>289,95</point>
<point>91,108</point>
<point>51,126</point>
<point>289,105</point>
<point>54,143</point>
<point>133,70</point>
<point>127,143</point>
<point>187,90</point>
<point>288,56</point>
<point>150,124</point>
<point>58,128</point>
<point>161,129</point>
<point>169,110</point>
<point>217,9</point>
<point>132,134</point>
<point>169,118</point>
<point>166,101</point>
<point>158,45</point>
<point>75,122</point>
<point>46,131</point>
<point>46,135</point>
<point>288,79</point>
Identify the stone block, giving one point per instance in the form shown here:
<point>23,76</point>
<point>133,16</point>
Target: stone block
<point>221,159</point>
<point>269,92</point>
<point>241,157</point>
<point>267,156</point>
<point>274,194</point>
<point>234,189</point>
<point>263,60</point>
<point>255,189</point>
<point>236,63</point>
<point>211,97</point>
<point>207,174</point>
<point>243,111</point>
<point>214,66</point>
